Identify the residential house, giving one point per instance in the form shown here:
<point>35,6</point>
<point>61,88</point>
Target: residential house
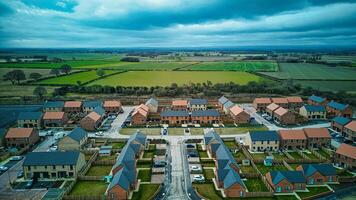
<point>140,115</point>
<point>294,103</point>
<point>21,137</point>
<point>93,120</point>
<point>338,109</point>
<point>350,131</point>
<point>221,101</point>
<point>227,107</point>
<point>317,101</point>
<point>318,174</point>
<point>286,181</point>
<point>2,137</point>
<point>30,120</point>
<point>210,116</point>
<point>53,106</point>
<point>283,116</point>
<point>293,139</point>
<point>112,106</point>
<point>179,105</point>
<point>175,117</point>
<point>260,104</point>
<point>212,141</point>
<point>282,102</point>
<point>271,108</point>
<point>313,112</point>
<point>345,156</point>
<point>259,141</point>
<point>318,137</point>
<point>239,115</point>
<point>74,141</point>
<point>89,106</point>
<point>152,105</point>
<point>197,104</point>
<point>338,123</point>
<point>53,165</point>
<point>54,119</point>
<point>73,106</point>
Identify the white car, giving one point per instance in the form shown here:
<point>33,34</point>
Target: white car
<point>54,148</point>
<point>195,168</point>
<point>3,168</point>
<point>100,133</point>
<point>16,158</point>
<point>198,178</point>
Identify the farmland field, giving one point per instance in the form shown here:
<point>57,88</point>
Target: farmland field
<point>21,90</point>
<point>165,78</point>
<point>154,65</point>
<point>66,55</point>
<point>339,58</point>
<point>235,66</point>
<point>43,72</point>
<point>305,71</point>
<point>330,85</point>
<point>73,78</point>
<point>73,64</point>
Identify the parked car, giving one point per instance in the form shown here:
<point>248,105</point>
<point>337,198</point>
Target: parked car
<point>53,148</point>
<point>192,155</point>
<point>190,146</point>
<point>3,168</point>
<point>20,174</point>
<point>195,168</point>
<point>16,158</point>
<point>198,178</point>
<point>100,133</point>
<point>29,184</point>
<point>187,130</point>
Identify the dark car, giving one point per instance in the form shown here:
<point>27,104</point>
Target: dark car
<point>190,146</point>
<point>192,155</point>
<point>20,174</point>
<point>29,184</point>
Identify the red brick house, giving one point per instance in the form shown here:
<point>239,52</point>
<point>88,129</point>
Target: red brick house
<point>318,174</point>
<point>239,115</point>
<point>73,106</point>
<point>338,123</point>
<point>140,114</point>
<point>260,104</point>
<point>112,106</point>
<point>293,139</point>
<point>294,103</point>
<point>345,156</point>
<point>209,116</point>
<point>91,122</point>
<point>349,131</point>
<point>175,117</point>
<point>286,181</point>
<point>317,137</point>
<point>21,137</point>
<point>179,105</point>
<point>271,108</point>
<point>337,109</point>
<point>54,119</point>
<point>283,116</point>
<point>282,102</point>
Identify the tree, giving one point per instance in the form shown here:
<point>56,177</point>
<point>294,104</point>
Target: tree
<point>66,68</point>
<point>100,72</point>
<point>15,75</point>
<point>40,91</point>
<point>55,71</point>
<point>35,76</point>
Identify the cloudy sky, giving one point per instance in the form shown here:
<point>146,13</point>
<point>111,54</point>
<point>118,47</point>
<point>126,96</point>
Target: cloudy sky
<point>176,23</point>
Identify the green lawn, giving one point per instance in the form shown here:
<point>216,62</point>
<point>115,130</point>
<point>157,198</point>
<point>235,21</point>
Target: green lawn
<point>323,153</point>
<point>239,155</point>
<point>295,155</point>
<point>235,66</point>
<point>73,64</point>
<point>311,156</point>
<point>112,157</point>
<point>146,131</point>
<point>207,190</point>
<point>148,154</point>
<point>89,188</point>
<point>203,154</point>
<point>117,145</point>
<point>166,78</point>
<point>72,79</point>
<point>264,169</point>
<point>255,185</point>
<point>342,172</point>
<point>146,191</point>
<point>312,191</point>
<point>259,156</point>
<point>144,163</point>
<point>208,174</point>
<point>207,162</point>
<point>277,156</point>
<point>99,170</point>
<point>144,175</point>
<point>230,144</point>
<point>247,169</point>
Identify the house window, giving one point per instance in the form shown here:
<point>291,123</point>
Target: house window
<point>287,188</point>
<point>330,179</point>
<point>45,166</point>
<point>267,142</point>
<point>29,167</point>
<point>279,189</point>
<point>71,167</point>
<point>53,167</point>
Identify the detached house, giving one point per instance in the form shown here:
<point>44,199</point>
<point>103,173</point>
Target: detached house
<point>260,104</point>
<point>197,104</point>
<point>313,112</point>
<point>282,102</point>
<point>271,108</point>
<point>210,116</point>
<point>338,123</point>
<point>93,120</point>
<point>239,115</point>
<point>112,106</point>
<point>345,156</point>
<point>53,106</point>
<point>286,181</point>
<point>283,116</point>
<point>152,105</point>
<point>317,101</point>
<point>21,137</point>
<point>293,139</point>
<point>337,109</point>
<point>74,140</point>
<point>89,106</point>
<point>318,137</point>
<point>30,120</point>
<point>73,106</point>
<point>350,131</point>
<point>318,174</point>
<point>179,105</point>
<point>225,104</point>
<point>54,119</point>
<point>140,114</point>
<point>175,117</point>
<point>259,141</point>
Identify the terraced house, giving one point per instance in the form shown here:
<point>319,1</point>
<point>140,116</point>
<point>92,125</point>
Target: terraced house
<point>179,105</point>
<point>334,108</point>
<point>175,117</point>
<point>282,102</point>
<point>338,123</point>
<point>197,104</point>
<point>317,137</point>
<point>210,116</point>
<point>89,106</point>
<point>54,119</point>
<point>112,106</point>
<point>21,137</point>
<point>349,131</point>
<point>345,156</point>
<point>74,141</point>
<point>53,106</point>
<point>260,104</point>
<point>73,106</point>
<point>313,112</point>
<point>283,116</point>
<point>260,141</point>
<point>293,139</point>
<point>271,108</point>
<point>317,101</point>
<point>295,103</point>
<point>30,120</point>
<point>318,174</point>
<point>286,181</point>
<point>53,165</point>
<point>239,115</point>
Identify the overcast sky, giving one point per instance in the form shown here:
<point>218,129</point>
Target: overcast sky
<point>176,23</point>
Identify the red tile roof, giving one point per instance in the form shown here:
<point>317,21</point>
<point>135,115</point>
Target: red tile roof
<point>280,100</point>
<point>317,133</point>
<point>292,135</point>
<point>281,111</point>
<point>179,103</point>
<point>262,100</point>
<point>19,133</point>
<point>351,126</point>
<point>72,104</point>
<point>295,99</point>
<point>272,106</point>
<point>112,103</point>
<point>94,116</point>
<point>53,115</point>
<point>347,150</point>
<point>235,110</point>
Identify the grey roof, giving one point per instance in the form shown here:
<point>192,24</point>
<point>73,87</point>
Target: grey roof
<point>323,169</point>
<point>198,102</point>
<point>121,180</point>
<point>313,108</point>
<point>77,134</point>
<point>205,113</point>
<point>232,178</point>
<point>290,176</point>
<point>99,110</point>
<point>264,136</point>
<point>92,104</point>
<point>210,136</point>
<point>341,120</point>
<point>30,116</point>
<point>52,158</point>
<point>54,104</point>
<point>152,101</point>
<point>126,157</point>
<point>174,113</point>
<point>223,100</point>
<point>138,137</point>
<point>228,104</point>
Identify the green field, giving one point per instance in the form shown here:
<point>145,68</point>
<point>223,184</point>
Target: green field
<point>235,66</point>
<point>73,63</point>
<point>70,55</point>
<point>21,90</point>
<point>43,72</point>
<point>339,58</point>
<point>154,65</point>
<point>73,78</point>
<point>164,78</point>
<point>305,71</point>
<point>329,85</point>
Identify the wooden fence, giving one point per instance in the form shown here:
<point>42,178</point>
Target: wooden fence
<point>346,179</point>
<point>81,197</point>
<point>88,164</point>
<point>90,178</point>
<point>317,154</point>
<point>104,162</point>
<point>259,194</point>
